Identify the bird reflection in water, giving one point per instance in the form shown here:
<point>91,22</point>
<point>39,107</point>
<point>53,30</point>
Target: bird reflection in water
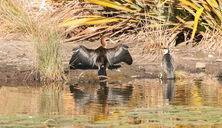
<point>102,94</point>
<point>95,100</point>
<point>169,90</point>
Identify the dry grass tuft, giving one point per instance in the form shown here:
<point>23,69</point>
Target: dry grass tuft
<point>15,18</point>
<point>155,40</point>
<point>49,62</point>
<point>212,41</point>
<point>42,31</point>
<point>150,42</point>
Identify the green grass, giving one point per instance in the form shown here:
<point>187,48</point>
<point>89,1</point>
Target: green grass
<point>174,115</point>
<point>48,58</point>
<point>25,121</point>
<point>170,116</point>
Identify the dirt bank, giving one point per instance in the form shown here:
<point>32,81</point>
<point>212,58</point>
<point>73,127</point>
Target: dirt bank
<point>17,60</point>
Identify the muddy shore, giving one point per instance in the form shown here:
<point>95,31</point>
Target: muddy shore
<point>17,60</point>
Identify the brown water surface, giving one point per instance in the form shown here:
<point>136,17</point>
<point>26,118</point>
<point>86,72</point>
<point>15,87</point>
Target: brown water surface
<point>141,102</point>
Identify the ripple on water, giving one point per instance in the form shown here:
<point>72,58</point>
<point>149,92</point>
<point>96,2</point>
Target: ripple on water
<point>142,102</point>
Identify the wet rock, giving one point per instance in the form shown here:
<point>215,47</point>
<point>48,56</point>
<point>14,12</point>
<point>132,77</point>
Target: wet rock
<point>200,67</point>
<point>219,76</point>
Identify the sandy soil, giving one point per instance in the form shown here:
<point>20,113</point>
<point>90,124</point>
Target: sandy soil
<point>17,61</point>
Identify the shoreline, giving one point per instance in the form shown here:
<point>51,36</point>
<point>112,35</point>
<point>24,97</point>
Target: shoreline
<point>17,62</point>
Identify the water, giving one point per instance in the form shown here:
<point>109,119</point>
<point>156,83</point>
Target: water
<point>140,102</point>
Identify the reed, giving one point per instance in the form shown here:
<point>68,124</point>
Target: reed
<point>48,58</point>
<point>42,31</point>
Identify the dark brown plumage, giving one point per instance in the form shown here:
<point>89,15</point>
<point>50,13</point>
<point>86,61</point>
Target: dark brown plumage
<point>167,64</point>
<point>100,58</point>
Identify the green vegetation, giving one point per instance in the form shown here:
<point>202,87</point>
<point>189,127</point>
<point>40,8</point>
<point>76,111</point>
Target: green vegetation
<point>165,117</point>
<point>49,62</point>
<point>25,121</point>
<point>179,115</point>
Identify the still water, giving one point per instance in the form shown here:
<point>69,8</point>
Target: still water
<point>137,103</point>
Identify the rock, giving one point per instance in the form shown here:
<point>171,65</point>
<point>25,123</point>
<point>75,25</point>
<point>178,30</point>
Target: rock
<point>200,67</point>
